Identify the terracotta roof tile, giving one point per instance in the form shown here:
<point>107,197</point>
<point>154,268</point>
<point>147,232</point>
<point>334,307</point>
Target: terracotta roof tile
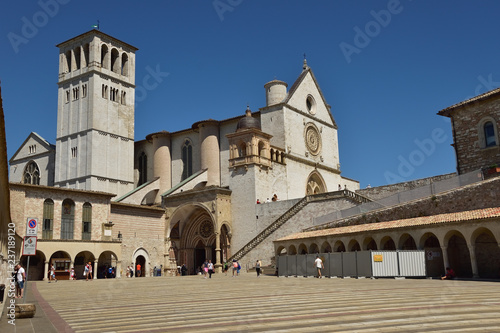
<point>478,214</point>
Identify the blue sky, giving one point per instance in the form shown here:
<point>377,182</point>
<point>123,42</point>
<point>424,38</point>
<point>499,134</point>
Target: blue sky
<point>385,67</point>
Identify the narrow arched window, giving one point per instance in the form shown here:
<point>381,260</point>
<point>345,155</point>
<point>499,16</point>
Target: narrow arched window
<point>87,221</point>
<point>489,134</point>
<point>86,55</point>
<point>187,159</point>
<point>78,53</point>
<point>67,219</point>
<point>143,168</point>
<point>31,174</point>
<point>124,64</point>
<point>115,61</point>
<point>104,57</point>
<point>68,61</point>
<point>48,219</point>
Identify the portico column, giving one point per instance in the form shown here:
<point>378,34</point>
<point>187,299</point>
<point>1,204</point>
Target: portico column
<point>45,270</point>
<point>118,269</point>
<point>473,262</point>
<point>95,270</point>
<point>444,250</point>
<point>218,264</point>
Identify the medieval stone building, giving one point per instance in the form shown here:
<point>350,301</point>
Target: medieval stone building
<point>174,197</point>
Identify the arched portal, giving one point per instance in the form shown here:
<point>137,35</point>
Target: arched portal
<point>141,257</point>
<point>433,255</point>
<point>36,267</point>
<point>62,264</point>
<point>315,184</point>
<point>81,260</point>
<point>194,232</point>
<point>487,254</point>
<point>107,260</point>
<point>459,256</point>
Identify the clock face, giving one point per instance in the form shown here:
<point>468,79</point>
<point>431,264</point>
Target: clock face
<point>206,229</point>
<point>313,139</point>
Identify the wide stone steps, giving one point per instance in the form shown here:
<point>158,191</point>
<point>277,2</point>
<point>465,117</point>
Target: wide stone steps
<point>250,304</point>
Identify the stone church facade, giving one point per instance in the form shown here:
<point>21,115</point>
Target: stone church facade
<point>175,197</point>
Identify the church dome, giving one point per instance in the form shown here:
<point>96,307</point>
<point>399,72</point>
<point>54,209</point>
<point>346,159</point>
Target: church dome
<point>248,121</point>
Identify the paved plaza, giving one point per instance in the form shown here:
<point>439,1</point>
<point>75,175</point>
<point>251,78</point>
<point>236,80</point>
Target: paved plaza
<point>265,304</point>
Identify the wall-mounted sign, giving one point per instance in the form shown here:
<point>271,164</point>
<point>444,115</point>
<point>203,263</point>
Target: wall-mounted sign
<point>378,258</point>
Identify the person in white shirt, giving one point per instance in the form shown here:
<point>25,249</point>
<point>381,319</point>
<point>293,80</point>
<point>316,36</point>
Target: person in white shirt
<point>319,265</point>
<point>20,278</point>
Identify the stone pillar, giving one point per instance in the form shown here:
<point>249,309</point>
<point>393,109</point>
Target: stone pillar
<point>209,150</point>
<point>94,271</point>
<point>46,271</point>
<point>218,264</point>
<point>118,272</point>
<point>446,263</point>
<point>162,162</point>
<point>473,261</point>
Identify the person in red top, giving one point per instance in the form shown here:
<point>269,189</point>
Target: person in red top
<point>138,270</point>
<point>450,274</point>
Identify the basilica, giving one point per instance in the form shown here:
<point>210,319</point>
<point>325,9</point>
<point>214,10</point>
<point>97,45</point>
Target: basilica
<point>172,198</point>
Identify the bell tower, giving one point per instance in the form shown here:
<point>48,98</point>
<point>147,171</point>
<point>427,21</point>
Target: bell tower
<point>95,114</point>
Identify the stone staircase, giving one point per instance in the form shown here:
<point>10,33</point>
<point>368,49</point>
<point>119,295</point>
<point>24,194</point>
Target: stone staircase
<point>346,194</point>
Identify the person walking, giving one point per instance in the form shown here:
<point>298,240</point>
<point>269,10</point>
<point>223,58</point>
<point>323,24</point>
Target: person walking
<point>235,268</point>
<point>210,269</point>
<point>258,264</point>
<point>205,269</point>
<point>138,270</point>
<point>88,269</point>
<point>319,265</point>
<point>52,274</point>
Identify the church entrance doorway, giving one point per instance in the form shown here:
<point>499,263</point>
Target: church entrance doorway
<point>140,260</point>
<point>199,256</point>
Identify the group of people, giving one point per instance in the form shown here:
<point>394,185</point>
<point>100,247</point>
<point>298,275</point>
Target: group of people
<point>273,199</point>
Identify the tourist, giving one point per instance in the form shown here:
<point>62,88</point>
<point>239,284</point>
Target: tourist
<point>235,268</point>
<point>450,274</point>
<point>258,202</point>
<point>88,268</point>
<point>210,269</point>
<point>52,274</point>
<point>72,274</point>
<point>225,268</point>
<point>319,265</point>
<point>183,270</point>
<point>257,267</point>
<point>275,197</point>
<point>128,271</point>
<point>138,270</point>
<point>267,200</point>
<point>205,269</point>
<point>20,278</point>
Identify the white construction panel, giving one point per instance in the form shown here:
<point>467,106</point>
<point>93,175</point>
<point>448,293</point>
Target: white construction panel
<point>412,263</point>
<point>384,263</point>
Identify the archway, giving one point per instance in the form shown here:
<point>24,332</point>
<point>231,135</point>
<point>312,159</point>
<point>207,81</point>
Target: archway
<point>106,260</point>
<point>141,257</point>
<point>406,242</point>
<point>62,264</point>
<point>313,248</point>
<point>354,246</point>
<point>433,255</point>
<point>302,249</point>
<point>487,254</point>
<point>292,250</point>
<point>315,184</point>
<point>37,266</point>
<point>339,246</point>
<point>387,244</point>
<point>459,256</point>
<point>370,244</point>
<point>326,248</point>
<point>81,260</point>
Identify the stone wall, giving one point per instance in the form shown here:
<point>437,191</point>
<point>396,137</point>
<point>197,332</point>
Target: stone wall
<point>142,228</point>
<point>379,192</point>
<point>485,194</point>
<point>468,126</point>
<point>303,219</point>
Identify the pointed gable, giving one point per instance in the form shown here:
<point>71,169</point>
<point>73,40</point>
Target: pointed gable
<point>305,95</point>
<point>34,145</point>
